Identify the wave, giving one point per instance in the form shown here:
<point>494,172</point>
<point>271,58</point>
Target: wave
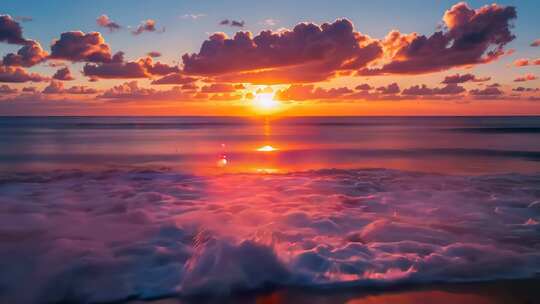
<point>112,235</point>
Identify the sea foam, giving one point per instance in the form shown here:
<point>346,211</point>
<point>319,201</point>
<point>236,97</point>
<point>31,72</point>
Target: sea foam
<point>99,236</point>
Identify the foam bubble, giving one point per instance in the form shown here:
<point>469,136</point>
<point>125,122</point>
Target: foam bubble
<point>154,233</point>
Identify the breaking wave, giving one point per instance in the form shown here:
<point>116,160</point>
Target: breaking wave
<point>99,236</point>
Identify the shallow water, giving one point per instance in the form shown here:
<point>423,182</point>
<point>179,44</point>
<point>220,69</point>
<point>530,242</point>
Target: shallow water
<point>152,210</point>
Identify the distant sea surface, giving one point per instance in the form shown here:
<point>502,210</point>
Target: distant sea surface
<point>283,210</point>
<point>471,145</point>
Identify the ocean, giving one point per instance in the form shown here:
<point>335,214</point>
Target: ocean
<point>116,209</point>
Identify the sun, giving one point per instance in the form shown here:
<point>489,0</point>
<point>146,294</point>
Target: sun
<point>265,102</point>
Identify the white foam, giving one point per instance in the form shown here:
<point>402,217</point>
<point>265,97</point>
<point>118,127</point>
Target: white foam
<point>113,235</point>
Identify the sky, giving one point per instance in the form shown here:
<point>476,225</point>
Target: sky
<point>166,57</point>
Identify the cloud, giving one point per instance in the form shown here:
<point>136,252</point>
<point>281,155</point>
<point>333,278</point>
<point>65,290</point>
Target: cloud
<point>11,31</point>
<point>23,18</point>
<point>490,91</point>
<point>523,89</point>
<point>17,75</point>
<point>148,25</point>
<point>470,37</point>
<point>364,87</point>
<point>234,23</point>
<point>270,22</point>
<point>117,68</point>
<point>80,90</point>
<point>526,77</point>
<point>526,62</point>
<point>106,22</point>
<point>54,87</point>
<point>307,53</point>
<point>423,90</point>
<point>535,43</point>
<point>392,88</point>
<point>5,89</point>
<point>29,55</point>
<point>57,87</point>
<point>462,78</point>
<point>301,92</point>
<point>175,78</point>
<point>63,74</point>
<point>78,46</point>
<point>192,16</point>
<point>218,88</point>
<point>130,91</point>
<point>154,54</point>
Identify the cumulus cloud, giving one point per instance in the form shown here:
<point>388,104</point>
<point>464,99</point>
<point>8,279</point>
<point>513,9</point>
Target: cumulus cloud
<point>219,88</point>
<point>11,31</point>
<point>148,25</point>
<point>54,87</point>
<point>234,23</point>
<point>489,91</point>
<point>301,92</point>
<point>118,68</point>
<point>131,91</point>
<point>175,78</point>
<point>57,87</point>
<point>17,74</point>
<point>78,46</point>
<point>526,77</point>
<point>523,89</point>
<point>423,90</point>
<point>392,88</point>
<point>63,74</point>
<point>307,53</point>
<point>470,37</point>
<point>106,22</point>
<point>462,78</point>
<point>154,54</point>
<point>526,62</point>
<point>364,87</point>
<point>29,55</point>
<point>5,89</point>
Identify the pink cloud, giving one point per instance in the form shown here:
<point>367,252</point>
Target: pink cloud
<point>423,90</point>
<point>148,25</point>
<point>17,74</point>
<point>5,89</point>
<point>106,22</point>
<point>29,55</point>
<point>174,78</point>
<point>462,78</point>
<point>78,46</point>
<point>307,53</point>
<point>470,37</point>
<point>526,77</point>
<point>63,74</point>
<point>118,68</point>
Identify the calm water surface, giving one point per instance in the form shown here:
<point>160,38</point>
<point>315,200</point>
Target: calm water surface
<point>471,145</point>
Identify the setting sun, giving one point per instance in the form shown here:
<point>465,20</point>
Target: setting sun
<point>265,102</point>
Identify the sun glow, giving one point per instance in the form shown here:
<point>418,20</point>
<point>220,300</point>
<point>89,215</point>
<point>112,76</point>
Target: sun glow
<point>265,102</point>
<point>266,148</point>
